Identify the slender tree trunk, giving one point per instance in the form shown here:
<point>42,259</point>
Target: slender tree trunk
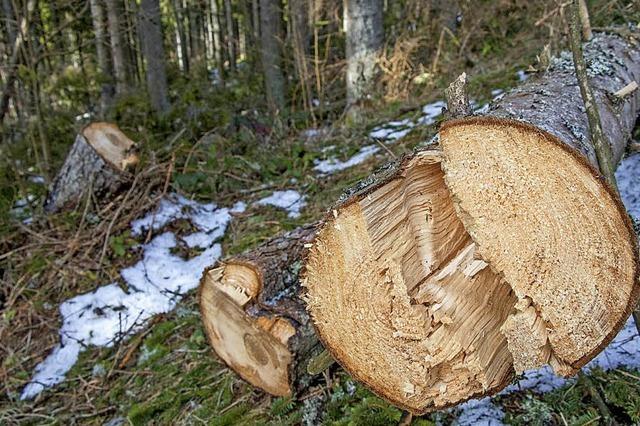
<point>132,47</point>
<point>8,89</point>
<point>114,12</point>
<point>183,53</point>
<point>104,64</point>
<point>299,12</point>
<point>271,53</point>
<point>153,52</point>
<point>255,16</point>
<point>9,19</point>
<point>231,38</point>
<point>363,22</point>
<point>194,33</point>
<point>217,37</point>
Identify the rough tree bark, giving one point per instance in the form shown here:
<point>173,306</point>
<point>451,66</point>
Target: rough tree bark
<point>9,21</point>
<point>502,250</point>
<point>153,52</point>
<point>217,36</point>
<point>100,161</point>
<point>114,11</point>
<point>271,52</point>
<point>363,23</point>
<point>12,73</point>
<point>230,35</point>
<point>104,64</point>
<point>300,37</point>
<point>254,317</point>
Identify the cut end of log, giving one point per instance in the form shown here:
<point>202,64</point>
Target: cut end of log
<point>253,346</point>
<point>111,144</point>
<point>502,253</point>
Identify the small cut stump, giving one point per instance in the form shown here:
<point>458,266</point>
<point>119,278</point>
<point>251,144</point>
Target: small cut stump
<point>100,161</point>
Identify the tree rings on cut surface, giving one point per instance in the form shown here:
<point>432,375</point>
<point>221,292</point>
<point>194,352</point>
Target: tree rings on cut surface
<point>255,348</point>
<point>503,252</point>
<point>254,317</point>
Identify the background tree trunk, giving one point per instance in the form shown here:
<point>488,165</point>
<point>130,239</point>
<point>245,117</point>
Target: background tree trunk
<point>153,52</point>
<point>114,13</point>
<point>271,53</point>
<point>104,64</point>
<point>232,50</point>
<point>299,12</point>
<point>363,23</point>
<point>10,22</point>
<point>8,89</point>
<point>217,36</point>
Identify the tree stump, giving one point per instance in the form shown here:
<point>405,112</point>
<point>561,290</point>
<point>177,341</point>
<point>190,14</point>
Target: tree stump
<point>448,271</point>
<point>100,160</point>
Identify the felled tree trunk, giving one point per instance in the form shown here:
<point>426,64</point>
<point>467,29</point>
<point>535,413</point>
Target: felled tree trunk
<point>501,250</point>
<point>100,160</point>
<point>254,317</point>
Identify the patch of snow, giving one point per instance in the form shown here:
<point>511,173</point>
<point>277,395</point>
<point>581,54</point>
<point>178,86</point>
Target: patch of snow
<point>37,179</point>
<point>497,92</point>
<point>628,178</point>
<point>482,109</point>
<point>84,116</point>
<point>154,285</point>
<point>522,75</point>
<point>479,412</point>
<point>292,201</point>
<point>177,207</point>
<point>389,134</point>
<point>333,165</point>
<point>431,112</point>
<point>310,133</point>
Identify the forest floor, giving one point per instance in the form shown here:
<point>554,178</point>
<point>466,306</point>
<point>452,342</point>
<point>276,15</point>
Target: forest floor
<point>145,359</point>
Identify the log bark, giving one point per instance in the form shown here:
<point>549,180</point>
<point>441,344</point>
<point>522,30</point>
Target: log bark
<point>100,160</point>
<point>503,249</point>
<point>254,317</point>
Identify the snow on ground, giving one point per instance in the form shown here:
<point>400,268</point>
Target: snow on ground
<point>387,133</point>
<point>623,351</point>
<point>390,132</point>
<point>332,164</point>
<point>290,200</point>
<point>153,285</point>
